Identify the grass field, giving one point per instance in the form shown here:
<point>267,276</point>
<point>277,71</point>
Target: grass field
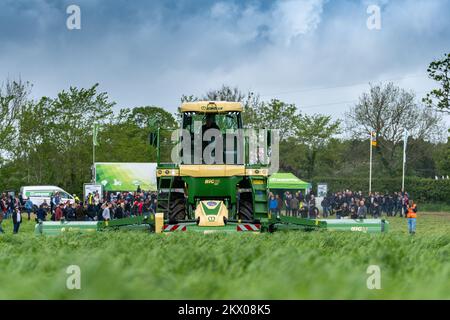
<point>294,265</point>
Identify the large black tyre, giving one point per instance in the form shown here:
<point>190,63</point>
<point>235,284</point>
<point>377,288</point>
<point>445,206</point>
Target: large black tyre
<point>246,207</point>
<point>177,210</point>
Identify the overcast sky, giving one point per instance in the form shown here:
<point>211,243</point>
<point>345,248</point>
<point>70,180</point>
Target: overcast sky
<point>317,54</point>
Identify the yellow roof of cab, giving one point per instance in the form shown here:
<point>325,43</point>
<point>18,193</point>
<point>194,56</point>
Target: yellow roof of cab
<point>211,106</point>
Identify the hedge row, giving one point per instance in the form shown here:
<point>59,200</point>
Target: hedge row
<point>420,189</point>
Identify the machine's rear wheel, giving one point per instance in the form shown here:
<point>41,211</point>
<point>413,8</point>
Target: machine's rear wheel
<point>246,207</point>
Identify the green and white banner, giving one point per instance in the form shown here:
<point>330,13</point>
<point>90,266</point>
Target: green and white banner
<point>118,176</point>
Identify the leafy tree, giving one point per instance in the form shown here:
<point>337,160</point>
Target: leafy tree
<point>278,115</point>
<point>54,138</point>
<point>13,98</point>
<point>388,110</point>
<point>125,138</point>
<point>439,71</point>
<point>144,116</point>
<point>315,133</point>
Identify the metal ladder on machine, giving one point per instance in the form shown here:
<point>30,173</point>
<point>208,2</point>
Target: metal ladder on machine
<point>260,205</point>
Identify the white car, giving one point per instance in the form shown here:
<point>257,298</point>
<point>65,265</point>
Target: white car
<point>37,194</point>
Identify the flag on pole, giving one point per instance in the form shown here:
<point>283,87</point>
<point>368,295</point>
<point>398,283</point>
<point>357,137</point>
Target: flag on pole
<point>95,134</point>
<point>373,140</point>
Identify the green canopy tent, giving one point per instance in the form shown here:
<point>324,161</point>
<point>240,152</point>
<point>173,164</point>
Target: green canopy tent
<point>287,181</point>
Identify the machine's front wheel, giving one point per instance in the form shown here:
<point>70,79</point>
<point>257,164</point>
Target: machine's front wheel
<point>246,209</point>
<point>177,209</point>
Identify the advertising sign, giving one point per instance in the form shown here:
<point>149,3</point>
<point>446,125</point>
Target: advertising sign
<point>322,189</point>
<point>121,176</point>
<point>92,188</point>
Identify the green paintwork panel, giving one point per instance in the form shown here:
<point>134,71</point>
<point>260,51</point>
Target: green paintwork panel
<point>57,228</point>
<point>210,188</point>
<point>357,225</point>
<point>230,227</point>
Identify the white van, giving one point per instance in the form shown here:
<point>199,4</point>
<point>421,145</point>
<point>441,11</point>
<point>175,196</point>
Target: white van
<point>37,194</point>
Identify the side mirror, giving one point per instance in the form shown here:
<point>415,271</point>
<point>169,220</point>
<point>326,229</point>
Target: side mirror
<point>269,138</point>
<point>153,139</point>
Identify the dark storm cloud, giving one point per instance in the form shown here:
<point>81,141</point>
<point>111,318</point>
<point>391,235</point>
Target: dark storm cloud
<point>151,52</point>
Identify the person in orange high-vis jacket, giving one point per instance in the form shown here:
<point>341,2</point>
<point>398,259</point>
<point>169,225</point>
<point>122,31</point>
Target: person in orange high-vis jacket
<point>411,214</point>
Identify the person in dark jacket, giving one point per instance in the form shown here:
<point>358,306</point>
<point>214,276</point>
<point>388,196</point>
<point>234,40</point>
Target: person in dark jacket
<point>312,210</point>
<point>325,206</point>
<point>118,213</point>
<point>1,220</point>
<point>280,204</point>
<point>376,209</point>
<point>294,205</point>
<point>17,220</point>
<point>81,212</point>
<point>41,213</point>
<point>362,210</point>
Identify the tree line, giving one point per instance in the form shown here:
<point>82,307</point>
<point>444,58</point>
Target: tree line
<point>49,140</point>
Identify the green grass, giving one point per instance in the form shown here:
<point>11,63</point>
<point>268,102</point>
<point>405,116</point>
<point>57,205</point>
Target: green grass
<point>434,207</point>
<point>284,265</point>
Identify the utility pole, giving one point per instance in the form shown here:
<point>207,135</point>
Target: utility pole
<point>373,142</point>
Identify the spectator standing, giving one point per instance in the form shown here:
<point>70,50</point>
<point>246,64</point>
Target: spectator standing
<point>293,204</point>
<point>3,205</point>
<point>106,212</point>
<point>345,210</point>
<point>140,207</point>
<point>362,210</point>
<point>80,212</point>
<point>312,205</point>
<point>280,203</point>
<point>287,201</point>
<point>405,203</point>
<point>29,207</point>
<point>411,214</point>
<point>59,212</point>
<point>2,213</point>
<point>52,204</point>
<point>273,205</point>
<point>325,206</point>
<point>376,210</point>
<point>354,212</point>
<point>17,220</point>
<point>118,214</point>
<point>41,213</point>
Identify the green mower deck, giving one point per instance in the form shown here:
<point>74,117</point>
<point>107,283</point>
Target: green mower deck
<point>147,223</point>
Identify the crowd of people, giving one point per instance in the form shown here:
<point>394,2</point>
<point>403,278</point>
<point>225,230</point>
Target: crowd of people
<point>119,205</point>
<point>358,205</point>
<point>294,204</point>
<point>10,206</point>
<point>95,207</point>
<point>345,204</point>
